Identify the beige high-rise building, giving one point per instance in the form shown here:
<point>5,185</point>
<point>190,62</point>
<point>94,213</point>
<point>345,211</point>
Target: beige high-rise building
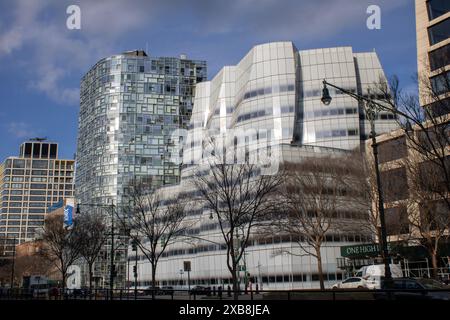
<point>30,185</point>
<point>433,52</point>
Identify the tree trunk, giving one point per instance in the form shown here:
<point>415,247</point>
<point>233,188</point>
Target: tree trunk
<point>90,276</point>
<point>235,283</point>
<point>63,285</point>
<point>434,264</point>
<point>319,267</point>
<point>153,280</point>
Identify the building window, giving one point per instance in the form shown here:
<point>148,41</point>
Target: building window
<point>397,221</point>
<point>441,83</point>
<point>434,215</point>
<point>437,8</point>
<point>439,32</point>
<point>439,58</point>
<point>19,164</point>
<point>393,183</point>
<point>392,149</point>
<point>440,108</point>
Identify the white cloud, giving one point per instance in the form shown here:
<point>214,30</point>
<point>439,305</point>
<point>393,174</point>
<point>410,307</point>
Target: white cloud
<point>20,130</point>
<point>54,53</point>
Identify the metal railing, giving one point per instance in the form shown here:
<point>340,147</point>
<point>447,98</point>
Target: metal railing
<point>248,295</point>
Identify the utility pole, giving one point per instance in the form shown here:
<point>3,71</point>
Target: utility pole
<point>113,267</point>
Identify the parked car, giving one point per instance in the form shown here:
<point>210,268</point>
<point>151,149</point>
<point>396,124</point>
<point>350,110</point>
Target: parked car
<point>414,288</point>
<point>166,290</point>
<point>150,289</point>
<point>200,290</point>
<point>351,283</point>
<point>40,290</point>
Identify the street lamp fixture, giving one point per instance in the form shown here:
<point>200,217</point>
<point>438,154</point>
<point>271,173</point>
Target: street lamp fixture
<point>371,107</point>
<point>326,98</point>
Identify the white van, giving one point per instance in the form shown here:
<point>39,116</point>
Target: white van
<point>372,274</point>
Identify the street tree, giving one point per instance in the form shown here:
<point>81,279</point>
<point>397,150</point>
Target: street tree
<point>317,200</point>
<point>60,246</point>
<point>152,221</point>
<point>92,231</point>
<point>240,198</point>
<point>426,123</point>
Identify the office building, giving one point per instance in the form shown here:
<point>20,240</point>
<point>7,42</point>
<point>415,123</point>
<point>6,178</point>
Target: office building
<point>433,54</point>
<point>30,184</point>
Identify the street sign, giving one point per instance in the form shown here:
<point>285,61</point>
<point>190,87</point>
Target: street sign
<point>362,250</point>
<point>187,266</point>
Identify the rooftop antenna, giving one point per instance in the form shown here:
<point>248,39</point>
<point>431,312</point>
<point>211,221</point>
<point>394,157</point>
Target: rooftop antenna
<point>38,139</point>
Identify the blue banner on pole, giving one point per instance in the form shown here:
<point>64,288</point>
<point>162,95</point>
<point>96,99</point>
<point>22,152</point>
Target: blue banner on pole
<point>68,216</point>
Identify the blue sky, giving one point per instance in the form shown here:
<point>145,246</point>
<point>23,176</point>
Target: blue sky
<point>42,62</point>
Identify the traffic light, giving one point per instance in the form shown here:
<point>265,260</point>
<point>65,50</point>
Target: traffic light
<point>135,270</point>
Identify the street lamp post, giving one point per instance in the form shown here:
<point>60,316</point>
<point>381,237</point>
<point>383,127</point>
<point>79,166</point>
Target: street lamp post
<point>113,267</point>
<point>134,248</point>
<point>112,272</point>
<point>181,277</point>
<point>370,109</point>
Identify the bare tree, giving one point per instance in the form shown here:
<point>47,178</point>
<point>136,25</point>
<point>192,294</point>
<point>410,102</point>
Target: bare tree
<point>240,198</point>
<point>430,216</point>
<point>91,229</point>
<point>61,246</point>
<point>426,120</point>
<point>153,222</point>
<point>428,127</point>
<point>317,200</point>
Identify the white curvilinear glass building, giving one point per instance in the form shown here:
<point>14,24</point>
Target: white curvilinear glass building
<point>273,96</point>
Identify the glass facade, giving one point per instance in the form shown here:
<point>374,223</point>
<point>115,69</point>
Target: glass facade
<point>130,105</point>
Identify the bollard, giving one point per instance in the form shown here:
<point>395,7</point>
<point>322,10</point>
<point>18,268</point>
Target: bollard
<point>214,290</point>
<point>219,292</point>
